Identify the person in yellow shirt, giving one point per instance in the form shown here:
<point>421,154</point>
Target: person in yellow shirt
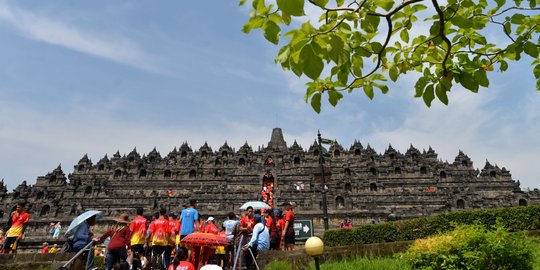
<point>17,223</point>
<point>54,249</point>
<point>139,228</point>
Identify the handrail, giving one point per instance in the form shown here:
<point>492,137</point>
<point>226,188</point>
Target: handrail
<point>238,251</point>
<point>87,247</point>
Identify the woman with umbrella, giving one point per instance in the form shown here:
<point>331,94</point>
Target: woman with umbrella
<point>120,235</point>
<point>83,237</point>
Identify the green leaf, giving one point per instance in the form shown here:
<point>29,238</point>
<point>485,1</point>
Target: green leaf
<point>291,7</point>
<point>385,4</point>
<point>320,3</point>
<point>531,49</point>
<point>334,96</point>
<point>428,95</point>
<point>253,23</point>
<point>316,102</point>
<point>312,64</point>
<point>336,53</point>
<point>404,35</point>
<point>480,76</point>
<point>383,87</point>
<point>504,65</point>
<point>370,23</point>
<point>312,89</point>
<point>368,89</point>
<point>393,73</point>
<point>272,32</point>
<point>283,55</point>
<point>467,80</point>
<point>441,94</point>
<point>340,2</point>
<point>420,85</point>
<point>507,28</point>
<point>536,71</point>
<point>242,2</point>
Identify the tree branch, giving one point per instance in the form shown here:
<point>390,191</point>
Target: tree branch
<point>442,35</point>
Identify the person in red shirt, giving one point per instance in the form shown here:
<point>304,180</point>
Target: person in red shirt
<point>45,248</point>
<point>138,228</point>
<point>171,240</point>
<point>180,261</point>
<point>159,236</point>
<point>280,224</point>
<point>120,242</point>
<point>246,222</point>
<point>17,225</point>
<point>209,227</point>
<point>287,234</point>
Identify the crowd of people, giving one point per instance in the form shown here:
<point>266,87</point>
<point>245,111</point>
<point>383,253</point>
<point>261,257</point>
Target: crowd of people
<point>157,241</point>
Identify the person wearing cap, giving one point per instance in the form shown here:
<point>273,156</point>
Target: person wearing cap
<point>287,235</point>
<point>120,242</point>
<point>260,241</point>
<point>45,248</point>
<point>210,226</point>
<point>280,224</point>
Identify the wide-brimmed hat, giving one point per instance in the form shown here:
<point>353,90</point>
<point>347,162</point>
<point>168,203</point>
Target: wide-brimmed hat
<point>123,218</point>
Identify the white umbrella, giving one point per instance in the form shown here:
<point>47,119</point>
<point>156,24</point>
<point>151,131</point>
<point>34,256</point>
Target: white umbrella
<point>257,205</point>
<point>80,220</point>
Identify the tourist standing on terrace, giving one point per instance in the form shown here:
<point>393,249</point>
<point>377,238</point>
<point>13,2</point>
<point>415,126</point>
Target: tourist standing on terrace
<point>17,222</point>
<point>287,235</point>
<point>57,230</point>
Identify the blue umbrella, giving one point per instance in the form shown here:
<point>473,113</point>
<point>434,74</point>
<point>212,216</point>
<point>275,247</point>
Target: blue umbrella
<point>80,220</point>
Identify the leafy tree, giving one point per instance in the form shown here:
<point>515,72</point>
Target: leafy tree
<point>360,44</point>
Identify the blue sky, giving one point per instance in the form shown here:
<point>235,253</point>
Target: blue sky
<point>100,76</point>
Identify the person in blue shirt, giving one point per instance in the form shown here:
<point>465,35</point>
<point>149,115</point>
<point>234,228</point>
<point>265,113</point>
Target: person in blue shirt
<point>82,237</point>
<point>260,241</point>
<point>189,219</point>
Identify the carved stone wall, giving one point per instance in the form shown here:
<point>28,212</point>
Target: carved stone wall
<point>362,184</point>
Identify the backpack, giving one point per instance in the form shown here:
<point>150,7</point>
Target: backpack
<point>67,247</point>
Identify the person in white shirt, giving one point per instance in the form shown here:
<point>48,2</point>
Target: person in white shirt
<point>260,241</point>
<point>213,263</point>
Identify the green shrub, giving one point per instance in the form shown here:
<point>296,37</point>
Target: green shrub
<point>513,218</point>
<point>472,247</point>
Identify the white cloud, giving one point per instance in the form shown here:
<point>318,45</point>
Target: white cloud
<point>52,31</point>
<point>469,124</point>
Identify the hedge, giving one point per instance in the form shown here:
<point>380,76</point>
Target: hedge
<point>513,218</point>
